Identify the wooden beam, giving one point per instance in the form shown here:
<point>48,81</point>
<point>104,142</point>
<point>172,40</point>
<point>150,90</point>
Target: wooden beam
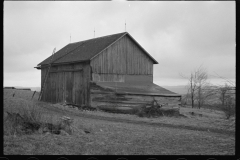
<point>65,63</point>
<point>149,94</point>
<point>67,70</point>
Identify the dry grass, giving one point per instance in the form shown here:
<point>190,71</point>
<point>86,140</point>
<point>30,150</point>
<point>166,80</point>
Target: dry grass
<point>210,118</point>
<point>115,138</point>
<point>109,138</point>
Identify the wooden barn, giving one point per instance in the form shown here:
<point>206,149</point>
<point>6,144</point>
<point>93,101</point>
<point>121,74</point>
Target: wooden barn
<point>112,69</point>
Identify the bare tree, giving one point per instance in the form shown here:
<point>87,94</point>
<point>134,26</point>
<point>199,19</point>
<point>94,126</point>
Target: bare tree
<point>192,89</point>
<point>201,82</point>
<point>227,99</point>
<point>197,81</point>
<point>223,92</point>
<point>205,93</point>
<point>227,96</point>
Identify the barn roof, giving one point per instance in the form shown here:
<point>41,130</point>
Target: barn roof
<point>87,50</point>
<point>138,88</point>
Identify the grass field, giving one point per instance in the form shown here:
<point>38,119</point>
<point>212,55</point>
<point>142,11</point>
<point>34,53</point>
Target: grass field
<point>108,137</point>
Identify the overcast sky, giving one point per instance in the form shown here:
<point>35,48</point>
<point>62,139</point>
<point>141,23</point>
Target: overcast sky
<point>180,35</point>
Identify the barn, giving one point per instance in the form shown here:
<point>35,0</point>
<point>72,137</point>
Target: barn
<point>110,70</point>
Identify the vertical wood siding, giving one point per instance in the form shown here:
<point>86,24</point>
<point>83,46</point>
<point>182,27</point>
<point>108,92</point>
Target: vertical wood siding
<point>123,57</point>
<point>69,86</point>
<point>108,77</point>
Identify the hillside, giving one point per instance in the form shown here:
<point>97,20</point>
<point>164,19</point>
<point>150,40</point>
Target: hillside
<point>97,133</point>
<point>181,89</point>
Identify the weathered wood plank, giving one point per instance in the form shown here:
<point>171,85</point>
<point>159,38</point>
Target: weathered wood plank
<point>103,96</point>
<point>124,57</point>
<point>78,81</point>
<point>66,70</point>
<point>69,86</point>
<point>137,100</point>
<point>53,93</point>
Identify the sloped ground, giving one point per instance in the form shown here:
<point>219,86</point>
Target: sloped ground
<point>114,137</point>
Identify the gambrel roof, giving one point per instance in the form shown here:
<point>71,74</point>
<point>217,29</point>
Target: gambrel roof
<point>88,49</point>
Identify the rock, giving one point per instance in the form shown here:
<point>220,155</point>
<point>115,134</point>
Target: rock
<point>63,133</point>
<point>86,131</point>
<point>47,133</point>
<point>40,130</point>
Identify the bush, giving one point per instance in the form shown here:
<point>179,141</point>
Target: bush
<point>13,124</point>
<point>117,109</point>
<point>229,107</point>
<point>27,122</point>
<point>145,111</point>
<point>31,120</point>
<point>86,107</point>
<point>155,111</point>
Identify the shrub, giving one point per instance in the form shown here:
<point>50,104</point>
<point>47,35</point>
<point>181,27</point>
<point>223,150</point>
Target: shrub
<point>86,107</point>
<point>149,111</point>
<point>13,124</point>
<point>27,122</point>
<point>156,110</point>
<point>229,107</point>
<point>32,114</point>
<point>117,109</point>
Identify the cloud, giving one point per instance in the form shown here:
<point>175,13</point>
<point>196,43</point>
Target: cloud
<point>22,79</point>
<point>179,35</point>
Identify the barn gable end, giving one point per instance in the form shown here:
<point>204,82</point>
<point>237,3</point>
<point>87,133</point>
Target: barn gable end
<point>122,62</point>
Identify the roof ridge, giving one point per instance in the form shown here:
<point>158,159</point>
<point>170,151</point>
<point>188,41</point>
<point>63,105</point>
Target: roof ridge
<point>99,37</point>
<point>68,52</point>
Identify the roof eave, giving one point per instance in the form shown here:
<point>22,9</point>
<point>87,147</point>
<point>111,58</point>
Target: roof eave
<point>38,67</point>
<point>155,62</point>
<point>60,63</point>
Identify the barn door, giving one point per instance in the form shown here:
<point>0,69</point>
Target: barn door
<point>68,86</point>
<point>65,87</point>
<point>78,97</point>
<point>74,87</point>
<point>49,93</point>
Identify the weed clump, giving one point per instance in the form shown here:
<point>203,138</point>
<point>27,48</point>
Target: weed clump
<point>31,121</point>
<point>117,109</point>
<point>155,110</point>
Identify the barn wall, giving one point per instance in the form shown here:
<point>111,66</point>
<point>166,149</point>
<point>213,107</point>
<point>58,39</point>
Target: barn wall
<point>122,58</point>
<point>139,78</point>
<point>43,74</point>
<point>111,99</point>
<point>121,78</point>
<point>101,97</point>
<point>108,77</point>
<point>68,83</point>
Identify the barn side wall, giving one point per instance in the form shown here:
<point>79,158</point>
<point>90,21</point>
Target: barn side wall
<point>67,83</point>
<point>121,78</point>
<point>107,97</point>
<point>122,58</point>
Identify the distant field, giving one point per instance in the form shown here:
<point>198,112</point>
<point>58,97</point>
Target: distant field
<point>108,137</point>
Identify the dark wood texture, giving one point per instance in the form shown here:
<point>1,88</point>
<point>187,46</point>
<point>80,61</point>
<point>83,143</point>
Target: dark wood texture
<point>101,97</point>
<point>122,58</point>
<point>67,83</point>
